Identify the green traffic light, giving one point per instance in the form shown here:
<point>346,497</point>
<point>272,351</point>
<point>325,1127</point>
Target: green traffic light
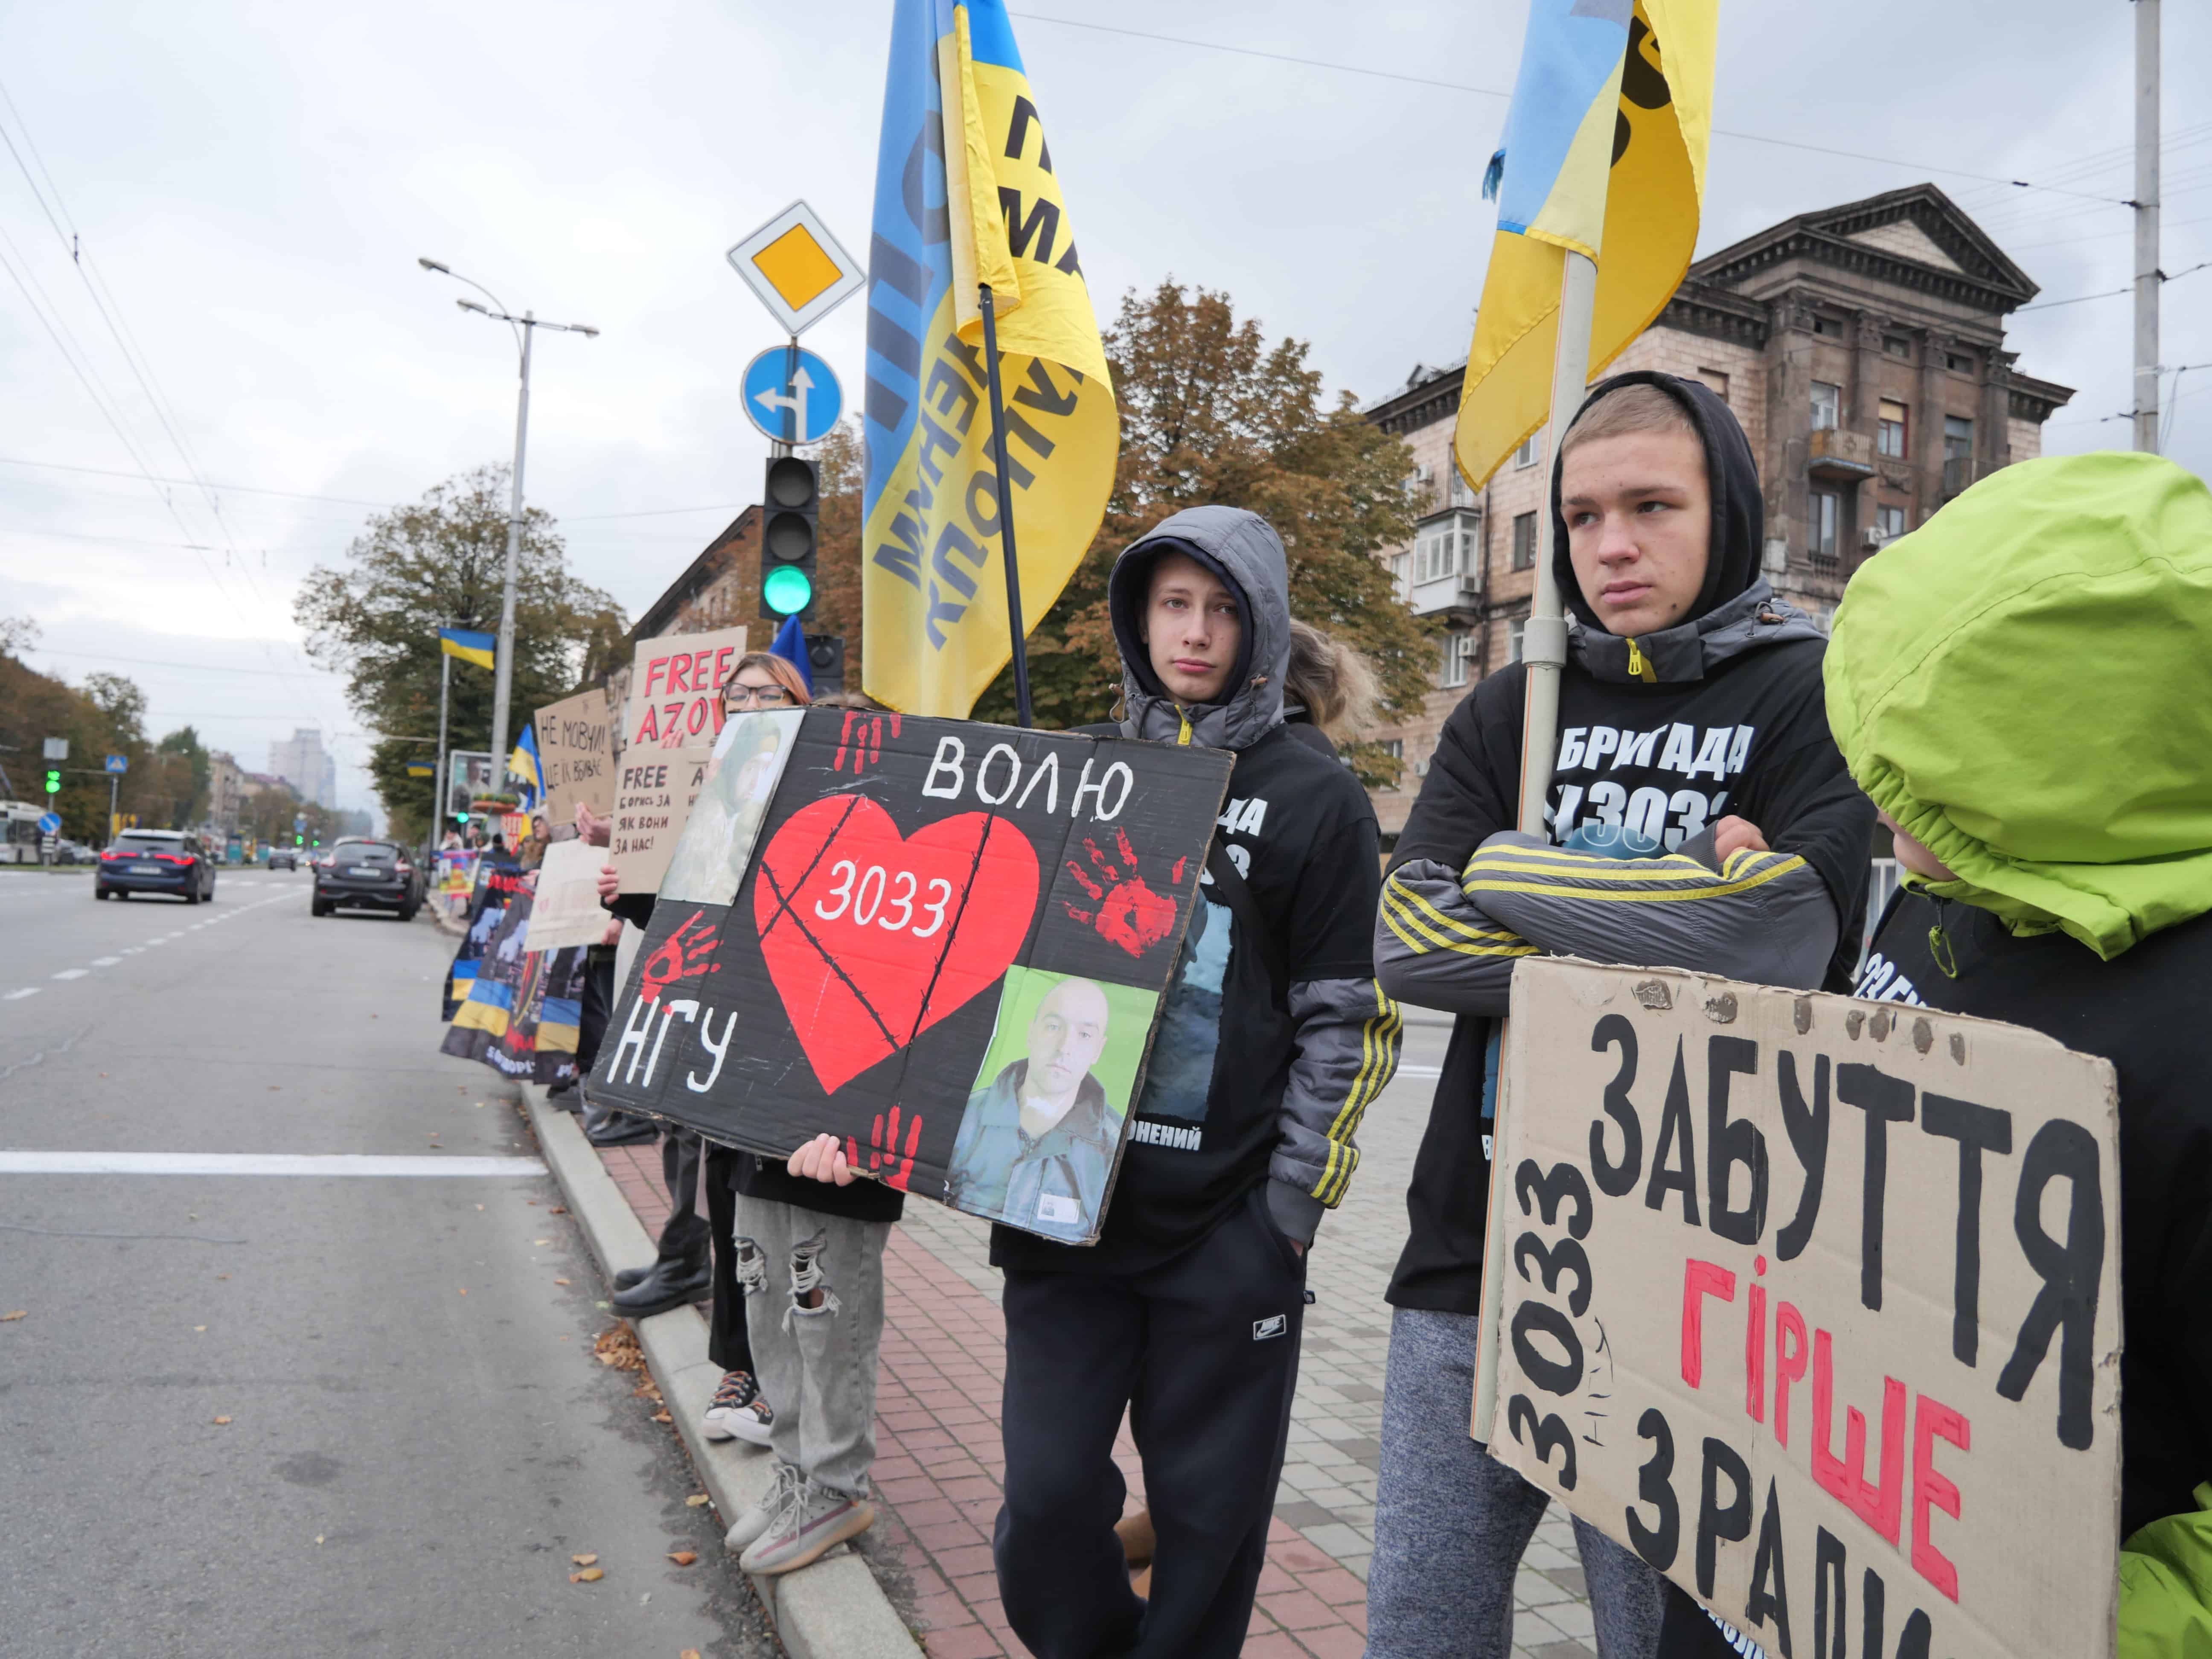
<point>53,783</point>
<point>787,591</point>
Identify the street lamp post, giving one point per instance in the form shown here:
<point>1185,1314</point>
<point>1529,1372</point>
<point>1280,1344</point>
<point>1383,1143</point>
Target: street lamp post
<point>525,326</point>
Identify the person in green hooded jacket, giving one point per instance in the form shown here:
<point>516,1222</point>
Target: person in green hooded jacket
<point>2024,687</point>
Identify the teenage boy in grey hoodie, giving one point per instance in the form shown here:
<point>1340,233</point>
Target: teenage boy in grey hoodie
<point>1273,1039</point>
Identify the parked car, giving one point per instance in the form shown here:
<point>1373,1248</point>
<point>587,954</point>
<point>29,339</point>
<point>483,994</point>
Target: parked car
<point>169,861</point>
<point>283,858</point>
<point>367,874</point>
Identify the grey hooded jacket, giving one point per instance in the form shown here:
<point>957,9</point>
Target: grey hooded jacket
<point>1300,829</point>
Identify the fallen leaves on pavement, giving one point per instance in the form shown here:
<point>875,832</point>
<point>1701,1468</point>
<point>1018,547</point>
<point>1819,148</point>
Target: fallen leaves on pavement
<point>694,1500</point>
<point>619,1348</point>
<point>683,1558</point>
<point>9,1318</point>
<point>221,1421</point>
<point>591,1560</point>
<point>589,1575</point>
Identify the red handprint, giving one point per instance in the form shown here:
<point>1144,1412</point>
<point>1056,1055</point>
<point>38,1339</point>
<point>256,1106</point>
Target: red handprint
<point>682,955</point>
<point>883,1160</point>
<point>1128,913</point>
<point>862,738</point>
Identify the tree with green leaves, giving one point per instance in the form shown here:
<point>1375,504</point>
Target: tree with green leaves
<point>1212,412</point>
<point>440,562</point>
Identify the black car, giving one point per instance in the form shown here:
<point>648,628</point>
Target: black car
<point>369,874</point>
<point>157,861</point>
<point>283,858</point>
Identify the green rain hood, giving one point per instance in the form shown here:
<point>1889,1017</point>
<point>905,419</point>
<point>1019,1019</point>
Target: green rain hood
<point>2025,685</point>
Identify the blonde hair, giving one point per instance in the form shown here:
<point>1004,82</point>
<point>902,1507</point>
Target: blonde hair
<point>1333,681</point>
<point>1642,407</point>
<point>776,668</point>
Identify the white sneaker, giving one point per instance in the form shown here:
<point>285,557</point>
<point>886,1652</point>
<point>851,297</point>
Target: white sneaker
<point>782,1491</point>
<point>738,1413</point>
<point>815,1521</point>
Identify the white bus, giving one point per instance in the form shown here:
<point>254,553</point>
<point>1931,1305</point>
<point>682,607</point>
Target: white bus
<point>19,831</point>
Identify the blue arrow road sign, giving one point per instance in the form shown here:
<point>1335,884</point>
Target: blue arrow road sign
<point>50,824</point>
<point>794,403</point>
<point>118,762</point>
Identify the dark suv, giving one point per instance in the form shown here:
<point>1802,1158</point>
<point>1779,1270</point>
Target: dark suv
<point>155,861</point>
<point>371,874</point>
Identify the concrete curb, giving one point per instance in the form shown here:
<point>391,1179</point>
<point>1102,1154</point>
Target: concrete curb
<point>834,1609</point>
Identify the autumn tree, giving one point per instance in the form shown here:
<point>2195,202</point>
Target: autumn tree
<point>839,462</point>
<point>438,563</point>
<point>1213,412</point>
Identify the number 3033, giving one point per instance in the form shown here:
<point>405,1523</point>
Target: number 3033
<point>885,899</point>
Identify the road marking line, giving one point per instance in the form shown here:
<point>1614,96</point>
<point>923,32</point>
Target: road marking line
<point>17,996</point>
<point>259,1163</point>
<point>1420,1071</point>
<point>105,961</point>
<point>71,973</point>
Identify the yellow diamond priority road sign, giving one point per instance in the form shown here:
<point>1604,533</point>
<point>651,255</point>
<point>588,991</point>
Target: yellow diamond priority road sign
<point>797,268</point>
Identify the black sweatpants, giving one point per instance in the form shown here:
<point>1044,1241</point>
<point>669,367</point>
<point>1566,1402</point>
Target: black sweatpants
<point>598,1000</point>
<point>1204,1351</point>
<point>683,1236</point>
<point>727,1345</point>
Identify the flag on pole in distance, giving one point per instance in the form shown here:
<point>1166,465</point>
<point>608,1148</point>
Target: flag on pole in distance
<point>1604,154</point>
<point>791,646</point>
<point>469,645</point>
<point>966,193</point>
<point>522,768</point>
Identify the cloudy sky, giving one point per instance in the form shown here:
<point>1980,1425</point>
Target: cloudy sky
<point>252,183</point>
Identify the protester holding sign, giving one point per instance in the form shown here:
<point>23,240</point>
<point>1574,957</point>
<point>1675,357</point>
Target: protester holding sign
<point>1700,818</point>
<point>2024,686</point>
<point>1271,1041</point>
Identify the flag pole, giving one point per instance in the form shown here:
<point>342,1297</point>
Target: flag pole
<point>1544,642</point>
<point>1022,710</point>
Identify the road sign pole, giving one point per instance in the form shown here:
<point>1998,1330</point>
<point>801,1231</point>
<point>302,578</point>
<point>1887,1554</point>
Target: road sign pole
<point>439,806</point>
<point>1015,631</point>
<point>113,780</point>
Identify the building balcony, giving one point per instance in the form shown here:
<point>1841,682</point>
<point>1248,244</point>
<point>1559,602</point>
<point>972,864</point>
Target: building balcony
<point>1845,456</point>
<point>1959,473</point>
<point>1457,598</point>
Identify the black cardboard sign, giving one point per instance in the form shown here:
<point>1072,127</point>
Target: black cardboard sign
<point>948,949</point>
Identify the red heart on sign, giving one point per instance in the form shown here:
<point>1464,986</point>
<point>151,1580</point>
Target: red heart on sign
<point>873,937</point>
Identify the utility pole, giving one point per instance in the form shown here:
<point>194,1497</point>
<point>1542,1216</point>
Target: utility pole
<point>503,676</point>
<point>438,802</point>
<point>2148,276</point>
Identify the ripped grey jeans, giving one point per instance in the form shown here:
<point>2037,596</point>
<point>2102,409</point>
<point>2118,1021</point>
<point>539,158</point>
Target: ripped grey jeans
<point>817,1364</point>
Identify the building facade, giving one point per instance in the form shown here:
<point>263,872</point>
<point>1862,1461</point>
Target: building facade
<point>226,790</point>
<point>720,588</point>
<point>299,760</point>
<point>1862,349</point>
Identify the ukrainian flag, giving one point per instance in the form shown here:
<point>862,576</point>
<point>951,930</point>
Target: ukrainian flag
<point>470,647</point>
<point>966,194</point>
<point>489,1007</point>
<point>1604,155</point>
<point>522,768</point>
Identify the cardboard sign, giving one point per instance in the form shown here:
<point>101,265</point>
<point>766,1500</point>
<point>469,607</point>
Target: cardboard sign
<point>944,942</point>
<point>673,721</point>
<point>675,689</point>
<point>575,752</point>
<point>1814,1304</point>
<point>565,909</point>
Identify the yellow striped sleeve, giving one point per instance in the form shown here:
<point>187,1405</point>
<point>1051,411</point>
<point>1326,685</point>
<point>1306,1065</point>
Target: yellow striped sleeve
<point>1630,881</point>
<point>1423,928</point>
<point>1378,1060</point>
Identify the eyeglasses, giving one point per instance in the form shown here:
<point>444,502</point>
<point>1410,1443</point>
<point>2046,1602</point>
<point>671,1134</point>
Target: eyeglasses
<point>742,696</point>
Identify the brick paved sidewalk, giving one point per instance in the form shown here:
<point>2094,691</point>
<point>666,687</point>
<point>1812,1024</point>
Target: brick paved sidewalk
<point>939,1462</point>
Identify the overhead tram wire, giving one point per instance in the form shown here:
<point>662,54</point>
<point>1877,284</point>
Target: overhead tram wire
<point>1492,92</point>
<point>2050,305</point>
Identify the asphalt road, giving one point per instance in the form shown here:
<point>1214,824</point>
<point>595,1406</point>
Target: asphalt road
<point>302,1413</point>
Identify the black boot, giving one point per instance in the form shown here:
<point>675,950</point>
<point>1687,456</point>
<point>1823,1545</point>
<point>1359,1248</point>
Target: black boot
<point>667,1284</point>
<point>604,1126</point>
<point>566,1097</point>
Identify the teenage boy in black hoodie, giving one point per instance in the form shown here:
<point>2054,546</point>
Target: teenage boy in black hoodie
<point>1271,1041</point>
<point>1693,746</point>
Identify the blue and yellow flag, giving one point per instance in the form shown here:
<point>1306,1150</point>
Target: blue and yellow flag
<point>966,195</point>
<point>1604,152</point>
<point>470,647</point>
<point>522,768</point>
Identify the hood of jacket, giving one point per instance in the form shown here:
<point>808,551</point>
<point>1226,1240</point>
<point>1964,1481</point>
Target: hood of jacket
<point>1732,480</point>
<point>2024,684</point>
<point>1243,550</point>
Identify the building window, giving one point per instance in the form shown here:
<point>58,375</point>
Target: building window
<point>1889,434</point>
<point>1437,552</point>
<point>1717,381</point>
<point>1831,327</point>
<point>1957,364</point>
<point>1459,652</point>
<point>1524,541</point>
<point>1889,522</point>
<point>1514,630</point>
<point>1958,438</point>
<point>1526,455</point>
<point>1396,749</point>
<point>1827,516</point>
<point>1401,576</point>
<point>1827,404</point>
<point>1897,346</point>
<point>1459,494</point>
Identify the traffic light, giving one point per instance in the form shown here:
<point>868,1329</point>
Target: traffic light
<point>825,660</point>
<point>793,501</point>
<point>53,780</point>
